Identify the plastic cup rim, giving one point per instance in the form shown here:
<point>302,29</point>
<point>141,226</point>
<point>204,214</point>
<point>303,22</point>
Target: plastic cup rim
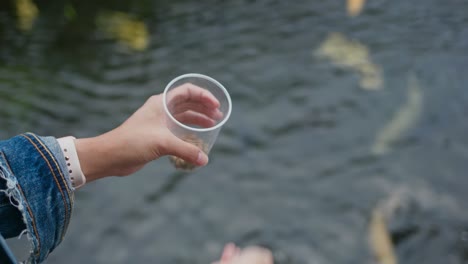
<point>197,75</point>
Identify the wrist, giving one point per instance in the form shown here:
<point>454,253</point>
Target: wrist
<point>95,157</point>
<point>109,154</point>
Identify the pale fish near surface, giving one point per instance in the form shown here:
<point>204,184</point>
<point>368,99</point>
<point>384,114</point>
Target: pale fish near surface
<point>354,7</point>
<point>403,120</point>
<point>352,55</point>
<point>401,199</point>
<point>380,240</point>
<point>125,28</point>
<point>27,12</point>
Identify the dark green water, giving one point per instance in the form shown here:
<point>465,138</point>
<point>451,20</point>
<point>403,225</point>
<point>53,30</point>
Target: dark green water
<point>308,153</point>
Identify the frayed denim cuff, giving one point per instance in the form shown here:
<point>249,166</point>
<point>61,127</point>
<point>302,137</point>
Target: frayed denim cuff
<point>37,183</point>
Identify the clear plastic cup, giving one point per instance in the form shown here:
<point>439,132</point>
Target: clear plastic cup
<point>200,134</point>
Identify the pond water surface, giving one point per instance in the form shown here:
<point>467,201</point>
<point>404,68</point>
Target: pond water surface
<point>334,116</point>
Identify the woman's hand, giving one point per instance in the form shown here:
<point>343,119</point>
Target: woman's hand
<point>250,255</point>
<point>145,137</point>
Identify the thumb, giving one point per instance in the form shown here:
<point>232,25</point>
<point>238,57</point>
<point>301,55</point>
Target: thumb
<point>186,151</point>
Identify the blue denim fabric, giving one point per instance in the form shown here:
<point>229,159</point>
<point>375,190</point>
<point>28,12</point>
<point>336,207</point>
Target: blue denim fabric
<point>35,181</point>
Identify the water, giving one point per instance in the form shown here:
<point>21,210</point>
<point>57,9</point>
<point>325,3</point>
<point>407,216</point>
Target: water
<point>314,144</point>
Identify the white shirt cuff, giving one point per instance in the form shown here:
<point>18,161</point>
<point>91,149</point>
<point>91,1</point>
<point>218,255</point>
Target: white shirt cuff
<point>77,178</point>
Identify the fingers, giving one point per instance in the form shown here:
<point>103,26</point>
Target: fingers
<point>184,150</point>
<point>250,255</point>
<point>195,119</point>
<point>255,255</point>
<point>190,97</point>
<point>213,113</point>
<point>192,93</point>
<point>228,252</point>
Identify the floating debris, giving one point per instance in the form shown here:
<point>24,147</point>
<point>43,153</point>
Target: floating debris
<point>352,55</point>
<point>354,7</point>
<point>380,239</point>
<point>402,121</point>
<point>27,12</point>
<point>125,28</point>
<point>185,165</point>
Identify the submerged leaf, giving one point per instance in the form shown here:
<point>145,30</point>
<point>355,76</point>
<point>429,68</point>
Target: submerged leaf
<point>69,11</point>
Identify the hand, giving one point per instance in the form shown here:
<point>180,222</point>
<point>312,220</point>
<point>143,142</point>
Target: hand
<point>250,255</point>
<point>145,137</point>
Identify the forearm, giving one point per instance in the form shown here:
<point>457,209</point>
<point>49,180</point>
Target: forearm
<point>105,155</point>
<point>93,156</point>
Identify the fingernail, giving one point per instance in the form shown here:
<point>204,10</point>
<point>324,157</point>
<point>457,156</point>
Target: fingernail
<point>219,114</point>
<point>228,252</point>
<point>202,159</point>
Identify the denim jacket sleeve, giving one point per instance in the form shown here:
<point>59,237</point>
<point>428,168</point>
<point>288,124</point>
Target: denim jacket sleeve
<point>35,192</point>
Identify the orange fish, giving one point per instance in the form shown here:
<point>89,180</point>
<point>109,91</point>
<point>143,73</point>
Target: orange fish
<point>354,7</point>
